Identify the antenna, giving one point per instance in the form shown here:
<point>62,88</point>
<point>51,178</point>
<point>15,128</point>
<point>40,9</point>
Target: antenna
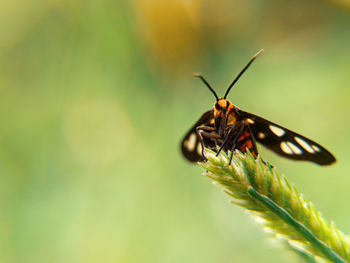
<point>242,71</point>
<point>206,83</point>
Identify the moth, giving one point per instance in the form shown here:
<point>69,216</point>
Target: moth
<point>226,127</point>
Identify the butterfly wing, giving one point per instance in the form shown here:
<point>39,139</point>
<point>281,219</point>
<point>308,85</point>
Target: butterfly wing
<point>191,144</point>
<point>286,142</point>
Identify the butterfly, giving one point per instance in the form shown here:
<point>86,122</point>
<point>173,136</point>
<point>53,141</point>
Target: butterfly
<point>226,127</point>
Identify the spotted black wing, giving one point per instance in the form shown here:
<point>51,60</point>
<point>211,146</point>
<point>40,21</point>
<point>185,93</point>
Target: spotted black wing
<point>191,144</point>
<point>286,142</point>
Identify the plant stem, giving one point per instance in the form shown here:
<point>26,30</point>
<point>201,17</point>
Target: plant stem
<point>258,187</point>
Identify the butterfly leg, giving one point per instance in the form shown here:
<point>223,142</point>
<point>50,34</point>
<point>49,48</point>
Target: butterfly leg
<point>254,148</point>
<point>240,132</point>
<point>208,133</point>
<point>231,131</point>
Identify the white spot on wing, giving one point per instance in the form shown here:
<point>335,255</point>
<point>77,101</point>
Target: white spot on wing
<point>316,148</point>
<point>276,130</point>
<point>285,148</point>
<point>250,121</point>
<point>304,144</point>
<point>294,148</point>
<point>261,135</point>
<point>190,143</point>
<point>199,149</point>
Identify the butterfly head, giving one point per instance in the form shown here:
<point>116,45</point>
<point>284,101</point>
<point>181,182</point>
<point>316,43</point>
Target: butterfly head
<point>222,107</point>
<point>224,113</point>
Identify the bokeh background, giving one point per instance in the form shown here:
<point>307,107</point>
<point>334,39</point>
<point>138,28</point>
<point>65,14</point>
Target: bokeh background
<point>95,97</point>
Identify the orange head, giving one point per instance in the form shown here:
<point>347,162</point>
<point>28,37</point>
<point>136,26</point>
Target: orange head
<point>222,107</point>
<point>224,113</point>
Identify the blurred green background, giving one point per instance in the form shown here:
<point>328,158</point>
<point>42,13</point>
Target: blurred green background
<point>95,97</point>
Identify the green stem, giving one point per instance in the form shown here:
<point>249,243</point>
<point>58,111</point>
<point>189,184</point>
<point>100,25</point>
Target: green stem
<point>260,189</point>
<point>285,216</point>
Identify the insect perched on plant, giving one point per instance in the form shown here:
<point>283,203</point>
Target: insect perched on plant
<point>226,127</point>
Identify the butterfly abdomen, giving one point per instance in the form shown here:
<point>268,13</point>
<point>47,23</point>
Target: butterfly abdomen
<point>245,142</point>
